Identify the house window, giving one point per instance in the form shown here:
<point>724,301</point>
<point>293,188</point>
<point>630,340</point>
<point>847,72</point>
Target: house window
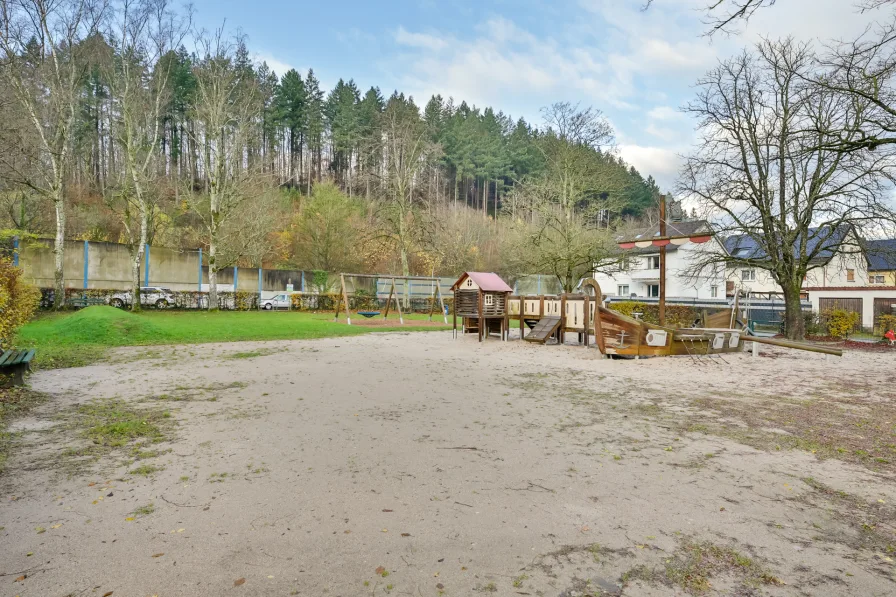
<point>489,300</point>
<point>850,275</point>
<point>876,279</point>
<point>748,275</point>
<point>714,291</point>
<point>653,262</point>
<point>622,290</point>
<point>653,290</point>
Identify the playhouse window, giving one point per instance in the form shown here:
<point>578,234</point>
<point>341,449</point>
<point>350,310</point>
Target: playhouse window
<point>469,282</point>
<point>489,300</point>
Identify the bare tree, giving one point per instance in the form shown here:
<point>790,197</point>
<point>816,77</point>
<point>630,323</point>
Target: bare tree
<point>766,168</point>
<point>44,61</point>
<point>143,31</point>
<point>560,209</point>
<point>225,112</point>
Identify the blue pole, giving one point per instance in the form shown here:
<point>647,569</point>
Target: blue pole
<point>146,267</point>
<point>259,283</point>
<point>15,251</point>
<point>302,287</point>
<point>86,252</point>
<point>199,288</point>
<point>234,278</point>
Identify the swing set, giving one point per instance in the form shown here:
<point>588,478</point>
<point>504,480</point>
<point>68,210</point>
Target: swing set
<point>393,294</point>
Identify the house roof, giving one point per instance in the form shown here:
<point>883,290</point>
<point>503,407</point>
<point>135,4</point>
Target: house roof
<point>487,281</point>
<point>689,228</point>
<point>881,255</point>
<point>826,243</point>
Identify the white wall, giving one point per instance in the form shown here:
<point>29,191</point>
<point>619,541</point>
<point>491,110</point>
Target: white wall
<point>678,284</point>
<point>866,294</point>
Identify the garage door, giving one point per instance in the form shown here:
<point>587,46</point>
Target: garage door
<point>853,305</point>
<point>883,306</point>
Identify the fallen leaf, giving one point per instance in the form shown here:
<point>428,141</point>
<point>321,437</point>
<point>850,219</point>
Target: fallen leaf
<point>436,574</point>
<point>130,519</point>
<point>405,534</point>
<point>107,594</point>
<point>269,576</point>
<point>380,570</point>
<point>239,581</point>
<point>181,530</point>
<point>463,567</point>
<point>55,526</point>
<point>440,586</point>
<point>40,530</point>
<point>29,554</point>
<point>385,531</point>
<point>158,555</point>
<point>386,510</point>
<point>91,484</point>
<point>94,502</point>
<point>22,578</point>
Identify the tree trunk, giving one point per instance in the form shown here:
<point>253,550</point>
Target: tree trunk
<point>136,257</point>
<point>795,324</point>
<point>59,251</point>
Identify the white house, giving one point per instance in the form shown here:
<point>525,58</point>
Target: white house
<point>640,273</point>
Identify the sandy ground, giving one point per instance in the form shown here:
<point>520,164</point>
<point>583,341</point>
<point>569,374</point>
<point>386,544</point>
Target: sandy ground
<point>414,464</point>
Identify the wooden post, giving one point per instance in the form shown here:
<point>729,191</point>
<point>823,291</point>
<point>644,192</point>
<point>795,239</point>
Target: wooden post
<point>562,331</point>
<point>398,304</point>
<point>442,307</point>
<point>432,302</point>
<point>454,316</point>
<point>479,313</point>
<point>505,323</point>
<point>522,314</point>
<point>348,311</point>
<point>662,262</point>
<point>587,307</point>
<point>389,300</point>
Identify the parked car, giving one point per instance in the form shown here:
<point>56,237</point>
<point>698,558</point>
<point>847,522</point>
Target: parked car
<point>150,296</point>
<point>280,301</point>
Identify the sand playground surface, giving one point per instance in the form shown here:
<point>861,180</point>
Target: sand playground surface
<point>414,464</point>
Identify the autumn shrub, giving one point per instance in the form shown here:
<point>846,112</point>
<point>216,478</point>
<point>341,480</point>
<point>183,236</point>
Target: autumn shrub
<point>886,322</point>
<point>677,316</point>
<point>18,302</point>
<point>840,322</point>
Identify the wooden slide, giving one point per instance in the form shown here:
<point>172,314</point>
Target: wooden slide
<point>544,329</point>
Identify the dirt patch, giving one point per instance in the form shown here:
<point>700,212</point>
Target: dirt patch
<point>416,464</point>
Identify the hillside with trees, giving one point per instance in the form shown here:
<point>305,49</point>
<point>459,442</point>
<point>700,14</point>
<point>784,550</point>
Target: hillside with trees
<point>114,130</point>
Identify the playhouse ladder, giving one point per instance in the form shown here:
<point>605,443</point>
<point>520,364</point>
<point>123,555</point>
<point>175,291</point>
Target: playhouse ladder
<point>544,329</point>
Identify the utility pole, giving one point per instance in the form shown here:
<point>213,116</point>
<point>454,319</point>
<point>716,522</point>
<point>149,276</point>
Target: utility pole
<point>663,261</point>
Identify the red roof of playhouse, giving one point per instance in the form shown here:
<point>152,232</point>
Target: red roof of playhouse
<point>486,281</point>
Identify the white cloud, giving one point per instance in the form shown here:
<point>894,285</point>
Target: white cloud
<point>660,162</point>
<point>665,113</point>
<point>278,66</point>
<point>419,40</point>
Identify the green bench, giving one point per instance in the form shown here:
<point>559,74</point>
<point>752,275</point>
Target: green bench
<point>80,302</point>
<point>13,366</point>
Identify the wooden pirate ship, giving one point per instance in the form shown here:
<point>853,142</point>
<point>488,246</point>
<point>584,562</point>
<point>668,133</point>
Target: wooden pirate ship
<point>542,318</point>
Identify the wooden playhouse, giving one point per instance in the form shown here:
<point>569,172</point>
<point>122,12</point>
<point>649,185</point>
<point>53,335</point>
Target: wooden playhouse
<point>480,300</point>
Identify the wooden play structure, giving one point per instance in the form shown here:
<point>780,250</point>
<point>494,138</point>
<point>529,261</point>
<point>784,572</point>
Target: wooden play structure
<point>616,334</point>
<point>393,295</point>
<point>480,299</point>
<point>486,305</point>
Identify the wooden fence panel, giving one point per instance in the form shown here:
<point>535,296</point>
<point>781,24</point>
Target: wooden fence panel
<point>853,305</point>
<point>883,306</point>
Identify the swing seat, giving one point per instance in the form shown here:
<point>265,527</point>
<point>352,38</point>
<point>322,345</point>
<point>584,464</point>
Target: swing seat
<point>369,314</point>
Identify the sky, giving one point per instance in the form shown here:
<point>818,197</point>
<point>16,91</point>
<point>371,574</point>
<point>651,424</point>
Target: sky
<point>638,67</point>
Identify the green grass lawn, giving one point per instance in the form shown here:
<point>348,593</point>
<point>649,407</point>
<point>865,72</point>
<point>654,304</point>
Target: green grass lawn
<point>83,337</point>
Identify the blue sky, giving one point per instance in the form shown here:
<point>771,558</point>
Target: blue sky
<point>517,56</point>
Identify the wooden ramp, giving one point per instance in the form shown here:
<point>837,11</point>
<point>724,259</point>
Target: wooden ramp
<point>544,329</point>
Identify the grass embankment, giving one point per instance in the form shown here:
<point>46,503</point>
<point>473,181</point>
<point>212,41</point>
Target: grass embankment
<point>85,336</point>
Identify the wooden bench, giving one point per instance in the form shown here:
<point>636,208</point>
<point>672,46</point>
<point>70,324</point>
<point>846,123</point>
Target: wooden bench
<point>79,302</point>
<point>13,365</point>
